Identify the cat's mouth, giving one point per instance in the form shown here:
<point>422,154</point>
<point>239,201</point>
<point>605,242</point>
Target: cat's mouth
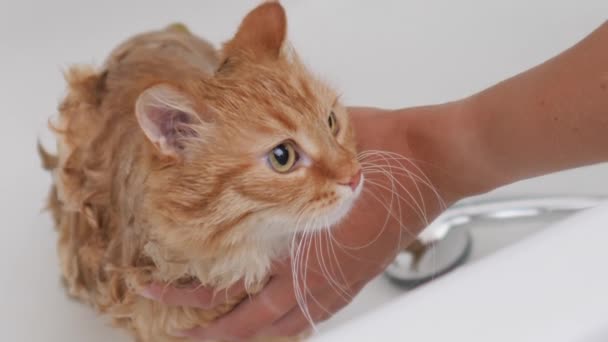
<point>311,219</point>
<point>347,199</point>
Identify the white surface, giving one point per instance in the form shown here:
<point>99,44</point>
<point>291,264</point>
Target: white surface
<point>384,53</point>
<point>549,287</point>
<point>488,236</point>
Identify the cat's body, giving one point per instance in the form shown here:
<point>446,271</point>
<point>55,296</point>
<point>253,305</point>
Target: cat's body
<point>157,175</point>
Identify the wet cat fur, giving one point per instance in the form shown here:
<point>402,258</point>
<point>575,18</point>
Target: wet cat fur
<point>159,173</point>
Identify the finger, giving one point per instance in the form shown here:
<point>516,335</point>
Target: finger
<point>361,108</point>
<point>321,307</point>
<point>252,315</point>
<point>193,296</point>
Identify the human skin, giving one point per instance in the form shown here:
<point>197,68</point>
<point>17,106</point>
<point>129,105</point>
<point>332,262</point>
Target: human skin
<point>549,118</point>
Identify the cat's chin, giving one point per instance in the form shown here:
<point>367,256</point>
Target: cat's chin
<point>276,227</point>
<point>337,214</point>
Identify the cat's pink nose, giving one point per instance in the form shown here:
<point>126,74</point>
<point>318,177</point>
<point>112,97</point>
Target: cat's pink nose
<point>354,181</point>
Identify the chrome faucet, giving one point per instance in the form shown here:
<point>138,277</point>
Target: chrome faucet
<point>451,247</point>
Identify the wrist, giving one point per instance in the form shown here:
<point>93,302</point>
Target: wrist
<point>445,140</point>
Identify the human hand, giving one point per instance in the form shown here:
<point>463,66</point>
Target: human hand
<point>398,201</point>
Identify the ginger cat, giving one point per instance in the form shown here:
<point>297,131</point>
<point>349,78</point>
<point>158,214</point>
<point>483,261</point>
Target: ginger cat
<point>178,163</point>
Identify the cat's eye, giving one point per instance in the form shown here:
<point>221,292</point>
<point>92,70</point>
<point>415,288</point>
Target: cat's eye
<point>283,157</point>
<point>333,123</point>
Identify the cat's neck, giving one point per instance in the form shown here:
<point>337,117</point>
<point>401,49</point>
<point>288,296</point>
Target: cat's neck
<point>247,259</point>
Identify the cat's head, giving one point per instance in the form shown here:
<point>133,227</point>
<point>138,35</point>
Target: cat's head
<point>261,141</point>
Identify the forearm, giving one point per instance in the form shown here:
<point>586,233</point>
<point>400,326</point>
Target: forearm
<point>550,118</point>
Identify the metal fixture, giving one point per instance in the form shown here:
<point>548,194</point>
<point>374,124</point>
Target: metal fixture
<point>440,248</point>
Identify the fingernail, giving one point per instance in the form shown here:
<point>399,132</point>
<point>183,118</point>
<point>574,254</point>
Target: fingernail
<point>194,332</point>
<point>148,292</point>
<point>180,333</point>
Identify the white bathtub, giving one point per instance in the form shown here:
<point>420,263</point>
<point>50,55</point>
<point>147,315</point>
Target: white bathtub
<point>388,53</point>
<point>551,286</point>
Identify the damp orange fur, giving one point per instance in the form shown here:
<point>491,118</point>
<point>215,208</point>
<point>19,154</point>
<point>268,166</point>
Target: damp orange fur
<point>162,171</point>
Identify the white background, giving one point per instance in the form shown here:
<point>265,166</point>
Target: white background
<point>380,53</point>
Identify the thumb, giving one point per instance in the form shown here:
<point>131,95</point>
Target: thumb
<point>196,296</point>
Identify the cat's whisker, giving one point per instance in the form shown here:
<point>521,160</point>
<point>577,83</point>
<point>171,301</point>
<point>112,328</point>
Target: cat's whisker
<point>330,244</point>
<point>372,241</point>
<point>325,270</point>
<point>337,285</point>
<point>397,156</point>
<point>319,304</point>
<point>388,166</point>
<point>415,208</point>
<point>420,174</point>
<point>385,155</point>
<point>394,170</point>
<point>389,210</point>
<point>402,229</point>
<point>413,177</point>
<point>390,214</point>
<point>393,189</point>
<point>301,290</point>
<point>344,249</point>
<point>305,262</point>
<point>370,162</point>
<point>298,266</point>
<point>401,170</point>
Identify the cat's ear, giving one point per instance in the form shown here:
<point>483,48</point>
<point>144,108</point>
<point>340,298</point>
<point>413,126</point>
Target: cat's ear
<point>166,117</point>
<point>262,32</point>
